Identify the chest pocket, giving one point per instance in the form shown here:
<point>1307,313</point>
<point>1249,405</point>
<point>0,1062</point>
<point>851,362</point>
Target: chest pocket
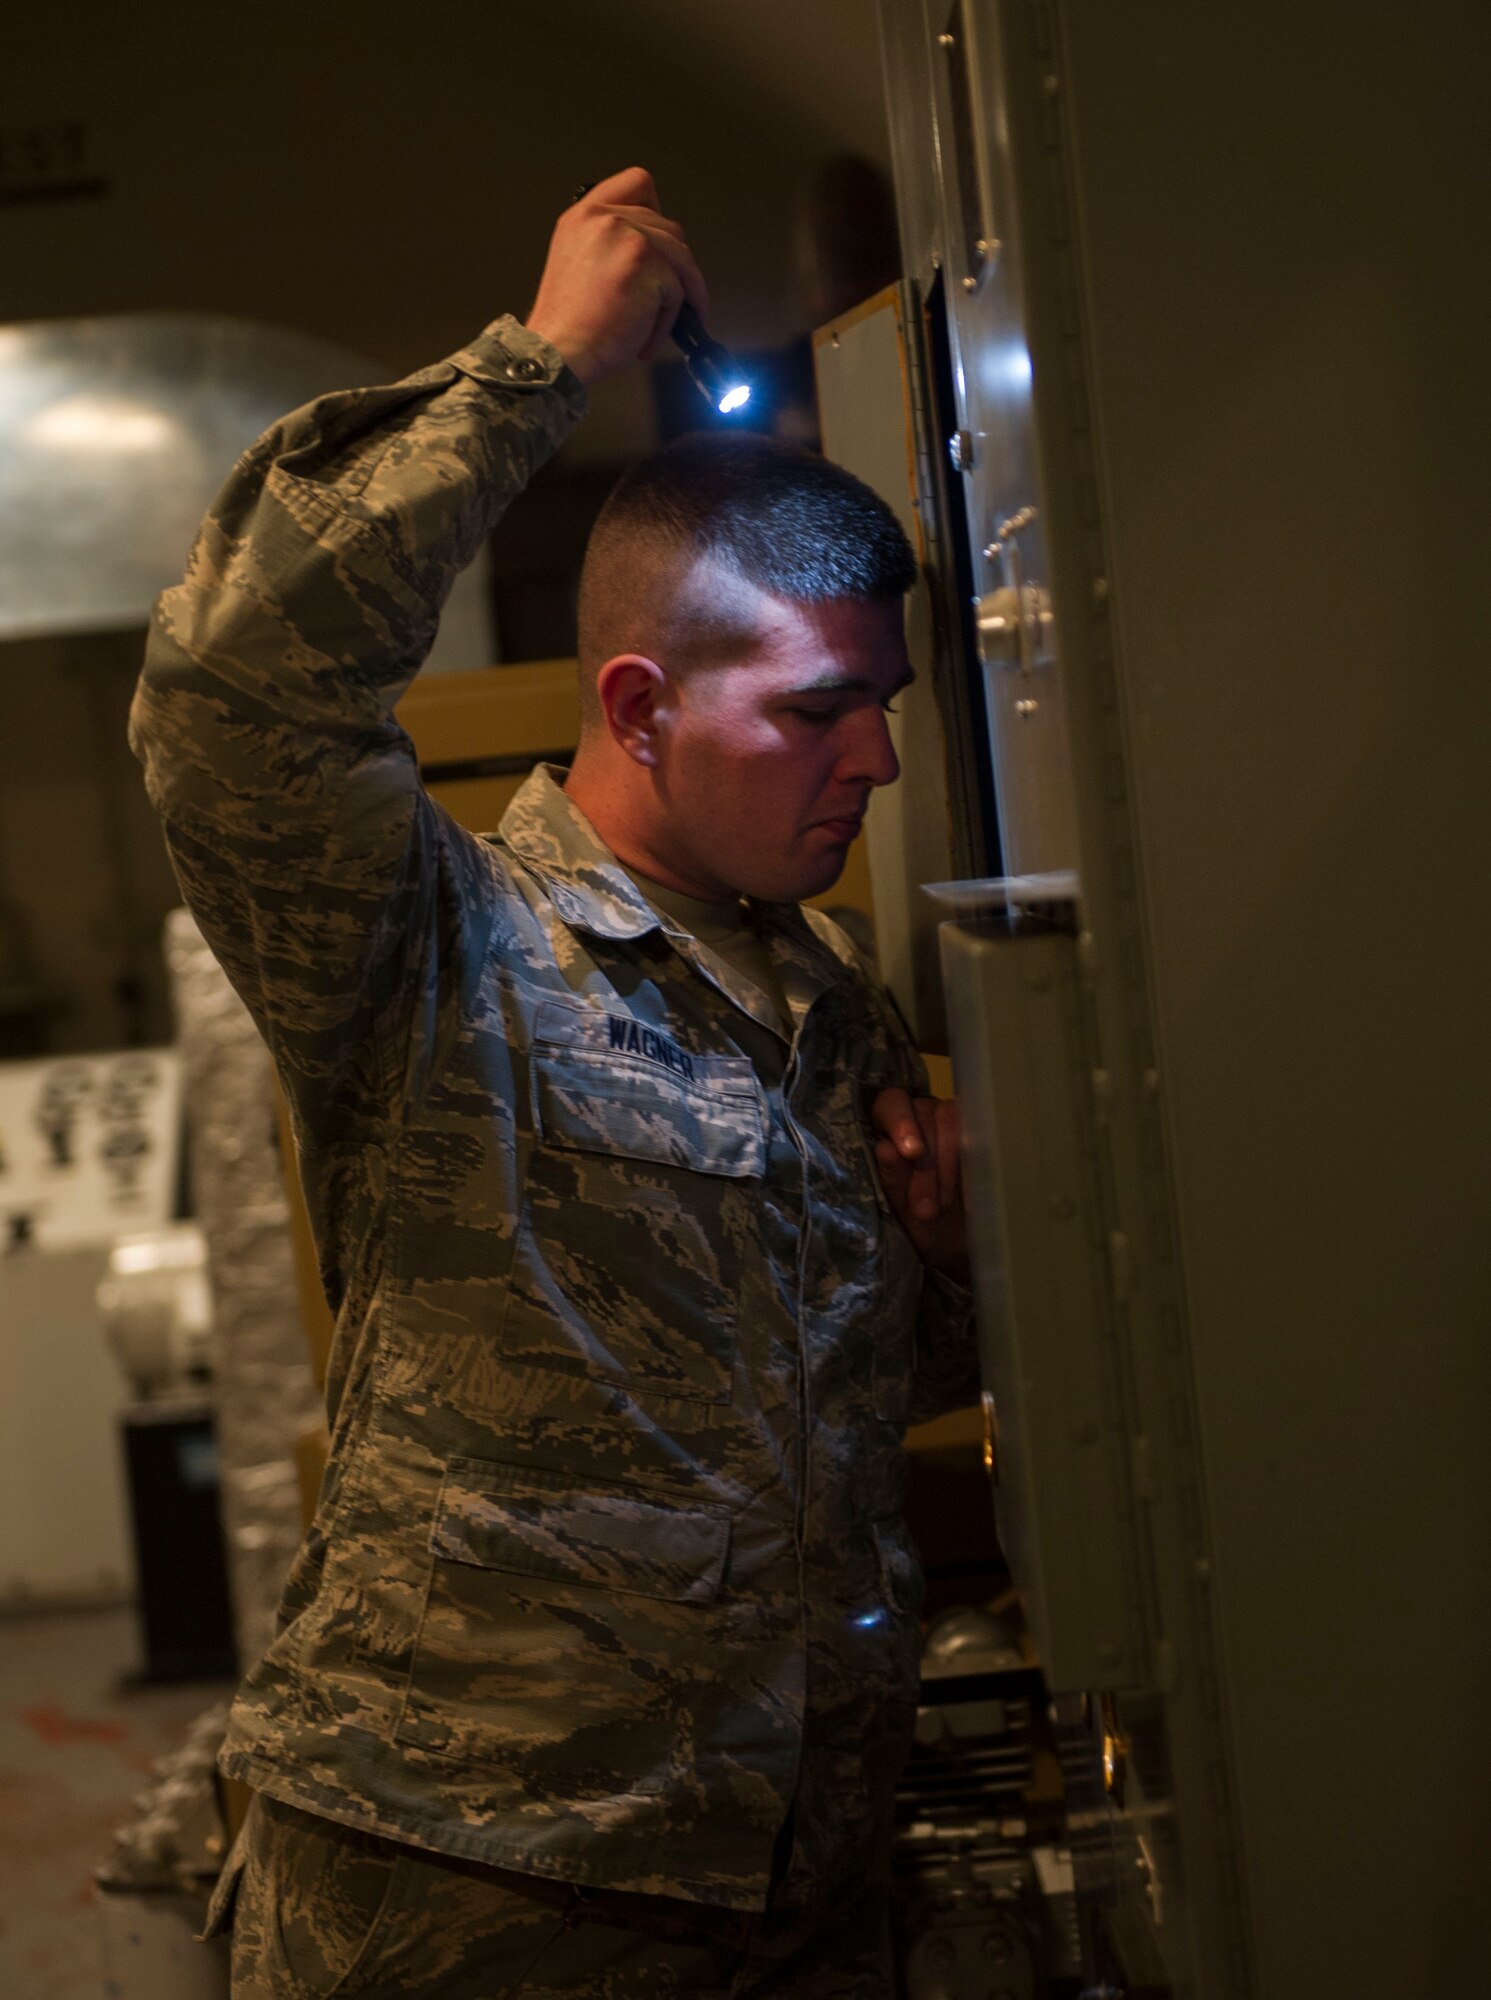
<point>640,1208</point>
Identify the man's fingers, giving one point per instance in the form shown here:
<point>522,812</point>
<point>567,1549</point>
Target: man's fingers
<point>648,220</point>
<point>924,1189</point>
<point>687,272</point>
<point>617,272</point>
<point>633,187</point>
<point>892,1114</point>
<point>666,239</point>
<point>918,1154</point>
<point>670,298</point>
<point>949,1153</point>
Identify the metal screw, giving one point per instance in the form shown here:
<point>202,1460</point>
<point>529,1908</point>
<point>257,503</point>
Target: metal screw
<point>960,451</point>
<point>970,284</point>
<point>1026,706</point>
<point>947,41</point>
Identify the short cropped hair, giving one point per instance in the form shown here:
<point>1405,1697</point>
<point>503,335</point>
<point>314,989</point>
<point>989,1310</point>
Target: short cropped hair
<point>768,513</point>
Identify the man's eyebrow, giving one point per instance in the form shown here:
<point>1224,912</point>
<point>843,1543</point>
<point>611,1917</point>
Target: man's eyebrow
<point>850,684</point>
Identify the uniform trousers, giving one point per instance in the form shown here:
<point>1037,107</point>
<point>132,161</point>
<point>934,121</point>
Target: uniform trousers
<point>323,1912</point>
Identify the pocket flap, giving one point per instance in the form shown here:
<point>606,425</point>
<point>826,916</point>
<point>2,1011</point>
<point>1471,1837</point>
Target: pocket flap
<point>577,1530</point>
<point>582,1100</point>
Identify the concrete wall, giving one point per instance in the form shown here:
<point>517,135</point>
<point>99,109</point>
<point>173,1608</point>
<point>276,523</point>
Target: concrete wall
<point>387,177</point>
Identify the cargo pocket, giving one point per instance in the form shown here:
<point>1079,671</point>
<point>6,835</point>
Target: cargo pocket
<point>640,1210</point>
<point>557,1607</point>
<point>310,1903</point>
<point>224,1898</point>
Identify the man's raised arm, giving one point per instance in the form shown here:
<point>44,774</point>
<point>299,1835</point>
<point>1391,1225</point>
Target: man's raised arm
<point>304,843</point>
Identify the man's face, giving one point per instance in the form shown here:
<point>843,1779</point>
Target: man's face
<point>766,764</point>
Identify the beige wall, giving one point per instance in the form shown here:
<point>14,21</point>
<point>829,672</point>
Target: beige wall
<point>81,856</point>
<point>386,177</point>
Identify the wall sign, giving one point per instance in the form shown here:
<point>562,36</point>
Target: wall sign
<point>89,1147</point>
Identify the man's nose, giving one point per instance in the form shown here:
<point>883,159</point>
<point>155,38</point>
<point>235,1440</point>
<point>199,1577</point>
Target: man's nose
<point>869,756</point>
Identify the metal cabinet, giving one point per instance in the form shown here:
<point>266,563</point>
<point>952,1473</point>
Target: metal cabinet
<point>1192,308</point>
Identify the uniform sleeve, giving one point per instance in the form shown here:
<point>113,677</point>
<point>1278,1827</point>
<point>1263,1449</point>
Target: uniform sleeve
<point>323,876</point>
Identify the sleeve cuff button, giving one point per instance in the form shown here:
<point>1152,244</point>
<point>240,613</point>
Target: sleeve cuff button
<point>524,368</point>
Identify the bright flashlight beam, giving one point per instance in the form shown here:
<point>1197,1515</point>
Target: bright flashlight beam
<point>735,399</point>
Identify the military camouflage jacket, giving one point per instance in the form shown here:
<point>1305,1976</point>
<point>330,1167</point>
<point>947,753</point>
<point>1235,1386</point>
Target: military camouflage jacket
<point>608,1576</point>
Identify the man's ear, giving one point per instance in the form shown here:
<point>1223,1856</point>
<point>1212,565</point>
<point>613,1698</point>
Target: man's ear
<point>634,696</point>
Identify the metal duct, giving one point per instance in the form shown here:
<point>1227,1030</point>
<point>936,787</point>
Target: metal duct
<point>114,436</point>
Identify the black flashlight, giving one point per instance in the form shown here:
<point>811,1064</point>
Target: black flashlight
<point>712,368</point>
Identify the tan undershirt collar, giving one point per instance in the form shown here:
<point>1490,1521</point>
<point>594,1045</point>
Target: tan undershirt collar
<point>708,922</point>
<point>724,929</point>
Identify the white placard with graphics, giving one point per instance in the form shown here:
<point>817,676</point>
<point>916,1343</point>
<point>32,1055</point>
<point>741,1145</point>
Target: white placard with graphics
<point>89,1147</point>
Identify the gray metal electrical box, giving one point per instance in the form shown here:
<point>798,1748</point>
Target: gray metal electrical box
<point>1209,411</point>
<point>1059,1443</point>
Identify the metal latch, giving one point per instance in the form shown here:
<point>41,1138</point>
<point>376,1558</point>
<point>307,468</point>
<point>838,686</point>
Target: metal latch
<point>1016,627</point>
<point>1016,624</point>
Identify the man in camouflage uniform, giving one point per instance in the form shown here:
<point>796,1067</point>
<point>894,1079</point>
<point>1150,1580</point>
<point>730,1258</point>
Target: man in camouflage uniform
<point>599,1661</point>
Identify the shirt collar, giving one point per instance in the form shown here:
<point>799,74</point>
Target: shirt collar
<point>593,892</point>
<point>586,883</point>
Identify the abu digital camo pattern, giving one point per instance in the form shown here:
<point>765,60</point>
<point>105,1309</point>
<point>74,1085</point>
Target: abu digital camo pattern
<point>608,1571</point>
